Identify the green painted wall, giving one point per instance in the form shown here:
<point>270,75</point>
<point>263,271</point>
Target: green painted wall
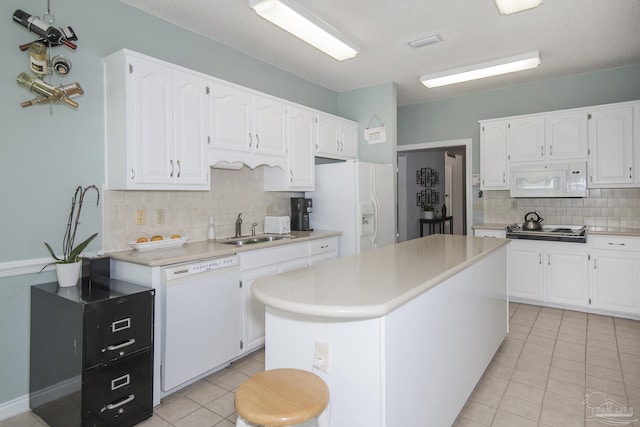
<point>361,105</point>
<point>45,154</point>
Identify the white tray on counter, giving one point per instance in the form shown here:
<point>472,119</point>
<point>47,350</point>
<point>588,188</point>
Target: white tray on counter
<point>167,242</point>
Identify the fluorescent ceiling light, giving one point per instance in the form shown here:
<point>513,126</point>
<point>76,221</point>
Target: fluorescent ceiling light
<point>424,40</point>
<point>479,71</point>
<point>507,7</point>
<point>306,26</point>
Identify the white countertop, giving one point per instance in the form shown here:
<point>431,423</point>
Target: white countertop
<point>193,251</point>
<point>373,283</point>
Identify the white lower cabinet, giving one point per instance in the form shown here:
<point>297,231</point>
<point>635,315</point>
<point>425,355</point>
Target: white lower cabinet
<point>526,271</point>
<point>615,273</point>
<point>268,262</point>
<point>554,272</point>
<point>567,279</point>
<point>602,275</point>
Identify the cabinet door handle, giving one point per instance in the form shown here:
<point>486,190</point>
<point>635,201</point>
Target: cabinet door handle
<point>504,177</point>
<point>290,175</point>
<point>616,244</point>
<point>171,174</point>
<point>324,246</point>
<point>337,145</point>
<point>630,172</point>
<point>257,141</point>
<point>539,258</point>
<point>595,262</point>
<point>250,140</point>
<point>548,259</point>
<point>542,151</point>
<point>551,150</point>
<point>112,406</point>
<point>179,168</point>
<point>133,174</point>
<point>123,345</point>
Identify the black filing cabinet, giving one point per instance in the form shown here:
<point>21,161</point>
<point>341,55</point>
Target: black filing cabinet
<point>91,353</point>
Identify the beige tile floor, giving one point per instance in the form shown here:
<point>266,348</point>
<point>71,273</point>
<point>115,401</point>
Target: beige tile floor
<point>539,377</point>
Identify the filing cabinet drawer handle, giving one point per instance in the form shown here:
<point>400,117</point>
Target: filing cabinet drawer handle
<point>122,381</point>
<point>120,325</point>
<point>123,345</point>
<point>112,406</point>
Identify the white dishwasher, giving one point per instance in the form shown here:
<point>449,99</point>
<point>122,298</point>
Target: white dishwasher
<point>202,306</point>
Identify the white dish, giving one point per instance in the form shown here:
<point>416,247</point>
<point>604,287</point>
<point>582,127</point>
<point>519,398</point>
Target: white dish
<point>167,242</point>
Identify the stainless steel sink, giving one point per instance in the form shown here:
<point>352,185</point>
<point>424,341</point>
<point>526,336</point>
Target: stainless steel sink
<point>241,241</point>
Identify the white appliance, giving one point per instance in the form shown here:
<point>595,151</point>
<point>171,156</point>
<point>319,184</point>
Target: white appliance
<point>549,180</point>
<point>277,225</point>
<point>356,198</point>
<point>201,320</point>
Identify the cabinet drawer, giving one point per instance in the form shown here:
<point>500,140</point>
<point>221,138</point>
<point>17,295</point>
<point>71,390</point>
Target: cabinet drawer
<point>321,246</point>
<point>119,393</point>
<point>486,232</point>
<point>275,255</point>
<point>118,329</point>
<point>618,243</point>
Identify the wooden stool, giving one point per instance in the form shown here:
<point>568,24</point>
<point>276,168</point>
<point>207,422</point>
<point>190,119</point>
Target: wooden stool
<point>281,397</point>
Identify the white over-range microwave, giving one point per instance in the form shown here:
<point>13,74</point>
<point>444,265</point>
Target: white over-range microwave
<point>567,179</point>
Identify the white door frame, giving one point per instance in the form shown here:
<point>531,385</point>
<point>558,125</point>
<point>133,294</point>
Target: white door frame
<point>467,143</point>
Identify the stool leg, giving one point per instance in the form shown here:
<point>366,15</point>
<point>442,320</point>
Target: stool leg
<point>323,419</point>
<point>242,423</point>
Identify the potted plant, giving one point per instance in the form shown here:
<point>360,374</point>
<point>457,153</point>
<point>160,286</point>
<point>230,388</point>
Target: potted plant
<point>69,263</point>
<point>427,212</point>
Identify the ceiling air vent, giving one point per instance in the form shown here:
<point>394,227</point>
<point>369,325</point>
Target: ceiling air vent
<point>424,40</point>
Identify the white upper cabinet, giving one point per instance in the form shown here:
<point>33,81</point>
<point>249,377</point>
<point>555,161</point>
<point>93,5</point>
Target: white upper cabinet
<point>493,155</point>
<point>299,175</point>
<point>556,136</point>
<point>526,139</point>
<point>566,136</point>
<point>611,145</point>
<point>607,137</point>
<point>246,128</point>
<point>337,138</point>
<point>156,121</point>
<point>191,133</point>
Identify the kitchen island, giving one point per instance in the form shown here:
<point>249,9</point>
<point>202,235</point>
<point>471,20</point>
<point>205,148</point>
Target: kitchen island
<point>403,332</point>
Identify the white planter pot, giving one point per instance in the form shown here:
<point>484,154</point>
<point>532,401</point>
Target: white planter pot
<point>426,214</point>
<point>68,274</point>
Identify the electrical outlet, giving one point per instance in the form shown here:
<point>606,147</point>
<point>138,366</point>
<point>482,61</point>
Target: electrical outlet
<point>140,217</point>
<point>159,216</point>
<point>321,357</point>
<point>514,204</point>
<point>478,206</point>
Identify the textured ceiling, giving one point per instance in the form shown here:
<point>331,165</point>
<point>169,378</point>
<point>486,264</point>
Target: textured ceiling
<point>573,36</point>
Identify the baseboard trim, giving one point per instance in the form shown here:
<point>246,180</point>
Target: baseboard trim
<point>14,407</point>
<point>575,308</point>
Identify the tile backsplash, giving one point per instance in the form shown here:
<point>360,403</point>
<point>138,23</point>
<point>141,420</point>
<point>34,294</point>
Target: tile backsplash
<point>602,208</point>
<point>187,212</point>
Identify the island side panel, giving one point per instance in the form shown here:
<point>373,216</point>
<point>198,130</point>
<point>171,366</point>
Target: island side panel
<point>439,344</point>
<point>355,367</point>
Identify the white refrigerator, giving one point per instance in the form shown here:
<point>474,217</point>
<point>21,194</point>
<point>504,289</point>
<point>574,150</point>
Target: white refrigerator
<point>356,198</point>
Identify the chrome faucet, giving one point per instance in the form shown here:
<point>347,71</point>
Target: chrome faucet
<point>239,225</point>
<point>253,229</point>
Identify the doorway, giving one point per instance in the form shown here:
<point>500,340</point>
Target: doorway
<point>452,162</point>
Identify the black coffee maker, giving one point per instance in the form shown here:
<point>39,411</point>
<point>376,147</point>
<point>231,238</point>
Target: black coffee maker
<point>300,209</point>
